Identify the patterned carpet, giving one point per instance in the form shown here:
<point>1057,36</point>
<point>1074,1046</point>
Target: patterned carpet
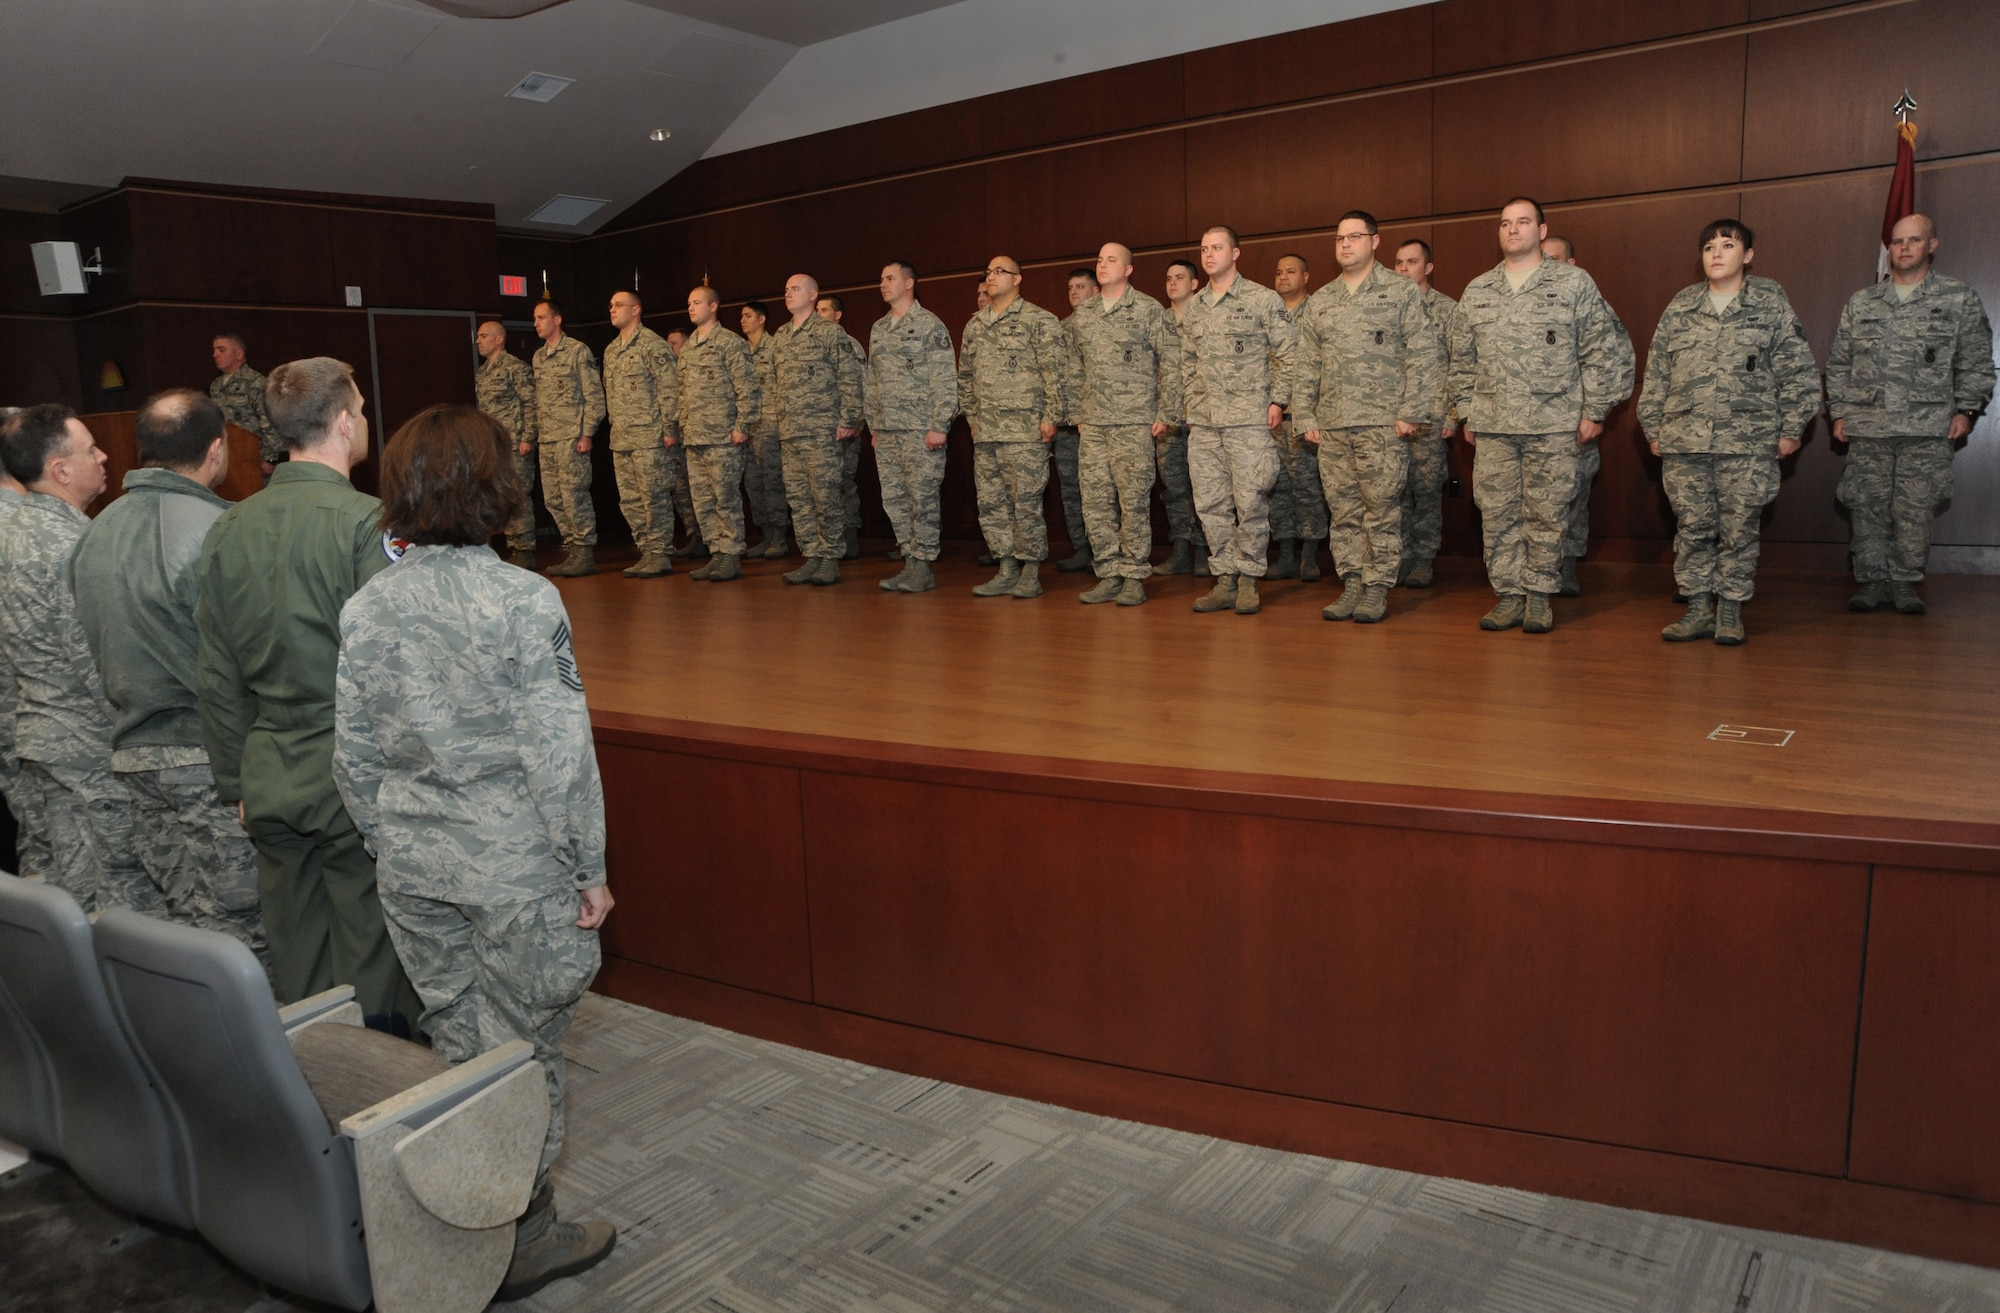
<point>747,1177</point>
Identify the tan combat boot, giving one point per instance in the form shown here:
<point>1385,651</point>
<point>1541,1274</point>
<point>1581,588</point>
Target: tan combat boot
<point>1540,616</point>
<point>1342,607</point>
<point>1699,622</point>
<point>1872,597</point>
<point>1247,602</point>
<point>1132,593</point>
<point>1729,623</point>
<point>1181,559</point>
<point>1002,583</point>
<point>1507,613</point>
<point>576,562</point>
<point>651,563</point>
<point>826,571</point>
<point>1903,596</point>
<point>523,557</point>
<point>725,566</point>
<point>917,577</point>
<point>1222,597</point>
<point>1373,608</point>
<point>1027,584</point>
<point>547,1250</point>
<point>1104,590</point>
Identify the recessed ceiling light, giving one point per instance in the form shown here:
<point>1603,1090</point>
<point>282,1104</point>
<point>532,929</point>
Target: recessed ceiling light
<point>658,134</point>
<point>540,87</point>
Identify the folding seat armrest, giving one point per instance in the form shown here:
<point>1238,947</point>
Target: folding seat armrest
<point>445,1169</point>
<point>336,1005</point>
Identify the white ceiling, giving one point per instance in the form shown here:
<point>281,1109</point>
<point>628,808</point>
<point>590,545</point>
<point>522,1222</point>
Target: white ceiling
<point>406,98</point>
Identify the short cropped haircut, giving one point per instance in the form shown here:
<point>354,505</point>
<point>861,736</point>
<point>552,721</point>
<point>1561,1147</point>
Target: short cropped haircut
<point>303,397</point>
<point>33,437</point>
<point>1224,228</point>
<point>1540,217</point>
<point>1727,228</point>
<point>909,270</point>
<point>833,299</point>
<point>1291,255</point>
<point>448,478</point>
<point>177,427</point>
<point>555,306</point>
<point>1417,241</point>
<point>758,308</point>
<point>1194,270</point>
<point>230,335</point>
<point>632,292</point>
<point>1367,220</point>
<point>1081,272</point>
<point>706,293</point>
<point>1569,247</point>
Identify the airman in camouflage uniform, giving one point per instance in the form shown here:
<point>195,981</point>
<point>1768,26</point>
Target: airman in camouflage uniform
<point>764,465</point>
<point>1010,388</point>
<point>1537,360</point>
<point>569,405</point>
<point>133,577</point>
<point>719,405</point>
<point>1910,372</point>
<point>504,387</point>
<point>1237,355</point>
<point>831,307</point>
<point>817,406</point>
<point>1430,451</point>
<point>1298,505</point>
<point>22,790</point>
<point>62,729</point>
<point>641,391</point>
<point>1187,549</point>
<point>1064,449</point>
<point>239,390</point>
<point>1370,360</point>
<point>912,392</point>
<point>1730,388</point>
<point>1125,364</point>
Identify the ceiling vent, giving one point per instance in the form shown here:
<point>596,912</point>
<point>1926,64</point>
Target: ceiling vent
<point>568,211</point>
<point>540,88</point>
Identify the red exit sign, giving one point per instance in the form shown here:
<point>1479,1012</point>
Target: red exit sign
<point>513,284</point>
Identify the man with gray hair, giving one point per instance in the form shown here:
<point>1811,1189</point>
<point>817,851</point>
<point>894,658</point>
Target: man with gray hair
<point>274,572</point>
<point>62,723</point>
<point>133,577</point>
<point>22,791</point>
<point>239,391</point>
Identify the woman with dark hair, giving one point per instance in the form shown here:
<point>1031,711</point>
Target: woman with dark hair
<point>463,751</point>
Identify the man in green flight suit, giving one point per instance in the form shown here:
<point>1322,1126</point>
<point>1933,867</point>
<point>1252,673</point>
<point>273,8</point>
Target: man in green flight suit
<point>275,571</point>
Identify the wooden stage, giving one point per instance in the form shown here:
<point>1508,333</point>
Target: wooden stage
<point>1494,906</point>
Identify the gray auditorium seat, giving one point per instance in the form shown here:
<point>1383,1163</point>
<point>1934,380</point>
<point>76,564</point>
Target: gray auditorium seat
<point>79,1093</point>
<point>388,1177</point>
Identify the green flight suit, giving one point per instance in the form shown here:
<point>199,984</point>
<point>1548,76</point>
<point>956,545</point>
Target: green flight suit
<point>275,571</point>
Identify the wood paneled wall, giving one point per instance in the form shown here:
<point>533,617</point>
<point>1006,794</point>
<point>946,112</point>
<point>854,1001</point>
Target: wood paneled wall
<point>1634,122</point>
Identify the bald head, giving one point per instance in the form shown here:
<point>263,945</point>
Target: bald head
<point>801,291</point>
<point>1912,244</point>
<point>703,302</point>
<point>1114,270</point>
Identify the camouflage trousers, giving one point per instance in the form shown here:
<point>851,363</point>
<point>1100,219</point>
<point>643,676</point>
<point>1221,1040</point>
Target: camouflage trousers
<point>1176,493</point>
<point>1298,505</point>
<point>1233,471</point>
<point>715,480</point>
<point>521,527</point>
<point>1010,479</point>
<point>1365,472</point>
<point>1064,450</point>
<point>1718,505</point>
<point>764,481</point>
<point>23,792</point>
<point>911,475</point>
<point>682,493</point>
<point>1115,469</point>
<point>1576,517</point>
<point>566,491</point>
<point>647,479</point>
<point>850,486</point>
<point>195,849</point>
<point>1423,499</point>
<point>93,857</point>
<point>814,469</point>
<point>1522,484</point>
<point>488,975</point>
<point>1892,487</point>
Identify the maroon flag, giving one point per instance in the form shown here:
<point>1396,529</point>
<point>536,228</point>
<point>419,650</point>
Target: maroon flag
<point>1902,190</point>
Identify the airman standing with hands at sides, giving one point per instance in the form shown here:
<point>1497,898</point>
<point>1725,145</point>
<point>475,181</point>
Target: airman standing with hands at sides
<point>912,389</point>
<point>1298,504</point>
<point>1430,452</point>
<point>818,407</point>
<point>1910,371</point>
<point>641,392</point>
<point>1237,348</point>
<point>1537,361</point>
<point>1730,388</point>
<point>569,405</point>
<point>1010,386</point>
<point>719,405</point>
<point>1188,550</point>
<point>505,389</point>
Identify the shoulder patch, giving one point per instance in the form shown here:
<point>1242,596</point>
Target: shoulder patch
<point>566,660</point>
<point>393,548</point>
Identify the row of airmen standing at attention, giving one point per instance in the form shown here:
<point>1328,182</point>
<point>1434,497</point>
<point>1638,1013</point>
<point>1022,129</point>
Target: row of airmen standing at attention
<point>340,730</point>
<point>1272,414</point>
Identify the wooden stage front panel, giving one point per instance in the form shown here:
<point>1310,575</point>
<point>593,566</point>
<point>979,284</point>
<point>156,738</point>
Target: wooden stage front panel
<point>1491,906</point>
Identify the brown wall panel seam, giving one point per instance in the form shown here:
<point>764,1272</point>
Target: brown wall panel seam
<point>233,199</point>
<point>1860,1015</point>
<point>123,306</point>
<point>1744,30</point>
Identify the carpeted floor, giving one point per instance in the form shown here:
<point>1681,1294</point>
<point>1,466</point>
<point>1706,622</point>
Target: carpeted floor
<point>747,1177</point>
